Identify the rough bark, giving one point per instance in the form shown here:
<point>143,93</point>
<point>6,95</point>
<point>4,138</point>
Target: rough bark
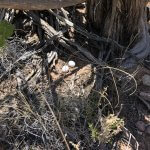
<point>115,18</point>
<point>37,4</point>
<point>123,21</point>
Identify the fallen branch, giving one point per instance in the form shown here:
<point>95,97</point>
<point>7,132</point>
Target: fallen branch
<point>85,33</point>
<point>37,5</point>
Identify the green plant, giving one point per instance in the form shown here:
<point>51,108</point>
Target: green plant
<point>6,30</point>
<point>94,132</point>
<point>110,126</point>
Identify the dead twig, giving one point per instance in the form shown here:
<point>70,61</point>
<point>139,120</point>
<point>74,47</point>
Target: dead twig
<point>61,132</point>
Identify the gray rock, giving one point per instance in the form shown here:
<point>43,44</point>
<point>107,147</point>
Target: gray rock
<point>147,131</point>
<point>141,126</point>
<point>146,80</point>
<point>145,95</point>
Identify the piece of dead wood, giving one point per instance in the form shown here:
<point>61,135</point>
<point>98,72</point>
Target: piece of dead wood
<point>63,40</point>
<point>37,4</point>
<point>85,33</point>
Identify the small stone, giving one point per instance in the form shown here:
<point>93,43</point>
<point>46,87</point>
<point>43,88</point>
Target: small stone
<point>65,69</point>
<point>145,95</point>
<point>141,126</point>
<point>146,80</point>
<point>147,131</point>
<point>71,63</point>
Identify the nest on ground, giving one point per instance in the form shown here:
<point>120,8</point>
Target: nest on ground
<point>31,117</point>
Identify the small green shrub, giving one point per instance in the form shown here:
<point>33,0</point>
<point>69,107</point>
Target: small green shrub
<point>6,30</point>
<point>110,126</point>
<point>94,132</point>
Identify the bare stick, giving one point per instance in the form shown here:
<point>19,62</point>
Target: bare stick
<point>61,132</point>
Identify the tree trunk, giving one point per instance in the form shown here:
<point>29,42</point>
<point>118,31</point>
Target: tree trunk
<point>123,21</point>
<point>116,18</point>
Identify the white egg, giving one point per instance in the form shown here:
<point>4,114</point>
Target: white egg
<point>65,69</point>
<point>71,63</point>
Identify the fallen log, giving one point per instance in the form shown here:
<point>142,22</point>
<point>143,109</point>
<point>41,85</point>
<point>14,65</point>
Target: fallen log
<point>37,4</point>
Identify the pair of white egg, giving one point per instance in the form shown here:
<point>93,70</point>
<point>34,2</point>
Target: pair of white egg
<point>71,64</point>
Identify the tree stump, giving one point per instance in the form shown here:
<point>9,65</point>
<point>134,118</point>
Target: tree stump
<point>123,21</point>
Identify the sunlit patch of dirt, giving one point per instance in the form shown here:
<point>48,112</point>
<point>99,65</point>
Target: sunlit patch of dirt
<point>76,82</point>
<point>122,145</point>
